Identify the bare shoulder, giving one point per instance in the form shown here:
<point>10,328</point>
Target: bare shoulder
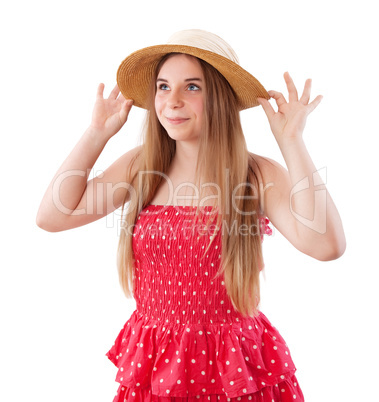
<point>274,181</point>
<point>103,194</point>
<point>268,168</point>
<point>116,181</point>
<point>125,166</point>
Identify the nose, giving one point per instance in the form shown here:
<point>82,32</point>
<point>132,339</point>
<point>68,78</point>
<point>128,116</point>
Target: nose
<point>174,100</point>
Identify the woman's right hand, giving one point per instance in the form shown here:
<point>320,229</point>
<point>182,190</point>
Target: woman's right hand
<point>109,115</point>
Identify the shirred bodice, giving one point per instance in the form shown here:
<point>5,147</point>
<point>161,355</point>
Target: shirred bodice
<point>185,338</point>
<point>175,279</point>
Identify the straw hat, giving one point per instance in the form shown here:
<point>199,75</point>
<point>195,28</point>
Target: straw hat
<point>136,71</point>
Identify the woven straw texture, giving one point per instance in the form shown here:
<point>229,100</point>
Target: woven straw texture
<point>136,71</point>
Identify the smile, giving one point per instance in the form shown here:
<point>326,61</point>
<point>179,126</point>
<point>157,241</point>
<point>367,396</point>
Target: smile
<point>176,120</point>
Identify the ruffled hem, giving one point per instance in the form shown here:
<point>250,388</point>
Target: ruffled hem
<point>187,360</point>
<point>284,391</point>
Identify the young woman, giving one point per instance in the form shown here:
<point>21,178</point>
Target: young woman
<point>197,204</point>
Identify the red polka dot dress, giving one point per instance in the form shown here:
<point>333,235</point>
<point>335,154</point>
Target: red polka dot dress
<point>185,339</point>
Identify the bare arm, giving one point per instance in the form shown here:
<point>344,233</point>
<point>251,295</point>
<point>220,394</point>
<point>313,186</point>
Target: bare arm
<point>297,201</point>
<point>70,200</point>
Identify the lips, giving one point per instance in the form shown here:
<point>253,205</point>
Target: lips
<point>176,120</point>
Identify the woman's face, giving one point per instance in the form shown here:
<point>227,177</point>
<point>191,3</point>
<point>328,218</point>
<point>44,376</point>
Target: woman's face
<point>179,100</point>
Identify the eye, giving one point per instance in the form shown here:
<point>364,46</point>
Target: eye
<point>193,87</point>
<point>163,87</point>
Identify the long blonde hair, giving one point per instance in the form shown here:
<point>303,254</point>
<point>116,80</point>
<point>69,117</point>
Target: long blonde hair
<point>233,168</point>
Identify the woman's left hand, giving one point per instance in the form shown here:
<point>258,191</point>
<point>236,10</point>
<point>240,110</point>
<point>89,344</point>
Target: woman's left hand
<point>289,121</point>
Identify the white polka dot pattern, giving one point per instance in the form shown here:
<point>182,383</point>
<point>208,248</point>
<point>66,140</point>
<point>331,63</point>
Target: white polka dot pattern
<point>185,339</point>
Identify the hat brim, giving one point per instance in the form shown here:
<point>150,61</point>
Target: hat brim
<point>136,71</point>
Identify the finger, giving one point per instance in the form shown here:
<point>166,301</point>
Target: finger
<point>266,105</point>
<point>307,92</point>
<point>114,93</point>
<point>279,98</point>
<point>100,91</point>
<point>125,109</point>
<point>292,91</point>
<point>312,106</point>
<point>121,97</point>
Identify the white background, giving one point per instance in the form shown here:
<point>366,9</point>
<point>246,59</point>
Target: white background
<point>61,305</point>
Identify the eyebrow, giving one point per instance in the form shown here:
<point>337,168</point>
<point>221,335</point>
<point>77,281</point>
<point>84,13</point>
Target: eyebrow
<point>186,80</point>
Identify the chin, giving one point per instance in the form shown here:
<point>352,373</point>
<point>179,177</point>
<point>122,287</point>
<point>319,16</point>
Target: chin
<point>180,136</point>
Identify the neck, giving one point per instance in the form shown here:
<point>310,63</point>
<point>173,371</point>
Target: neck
<point>185,158</point>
